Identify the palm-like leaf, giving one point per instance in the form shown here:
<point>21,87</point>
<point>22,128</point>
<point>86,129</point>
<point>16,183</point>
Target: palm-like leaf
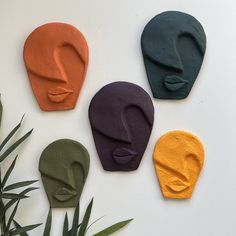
<point>47,229</point>
<point>13,201</point>
<point>75,221</point>
<point>15,145</point>
<point>1,109</point>
<point>22,230</point>
<point>12,216</point>
<point>86,218</point>
<point>2,211</point>
<point>112,229</point>
<point>8,173</point>
<point>11,134</point>
<point>65,226</point>
<point>83,227</point>
<point>6,197</point>
<point>12,196</point>
<point>19,185</point>
<point>19,226</point>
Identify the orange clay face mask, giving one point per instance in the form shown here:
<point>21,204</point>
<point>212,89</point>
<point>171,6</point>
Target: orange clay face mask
<point>178,159</point>
<point>56,59</point>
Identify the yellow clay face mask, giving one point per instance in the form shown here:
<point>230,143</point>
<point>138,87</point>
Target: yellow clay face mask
<point>178,159</point>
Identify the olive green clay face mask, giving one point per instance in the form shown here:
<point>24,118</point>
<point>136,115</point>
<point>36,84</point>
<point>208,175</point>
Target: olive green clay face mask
<point>64,166</point>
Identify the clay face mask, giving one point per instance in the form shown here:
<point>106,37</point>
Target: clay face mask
<point>178,159</point>
<point>56,59</point>
<point>121,116</point>
<point>64,166</point>
<point>173,45</point>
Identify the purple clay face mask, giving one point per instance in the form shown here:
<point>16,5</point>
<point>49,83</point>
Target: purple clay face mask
<point>121,116</point>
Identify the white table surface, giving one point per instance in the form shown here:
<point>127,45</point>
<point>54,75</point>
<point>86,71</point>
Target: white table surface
<point>113,29</point>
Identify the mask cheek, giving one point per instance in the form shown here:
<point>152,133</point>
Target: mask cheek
<point>39,88</point>
<point>194,167</point>
<point>51,186</point>
<point>174,187</point>
<point>171,185</point>
<point>59,195</point>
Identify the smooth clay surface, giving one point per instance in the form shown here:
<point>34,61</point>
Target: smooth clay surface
<point>173,45</point>
<point>121,116</point>
<point>56,59</point>
<point>178,159</point>
<point>64,166</point>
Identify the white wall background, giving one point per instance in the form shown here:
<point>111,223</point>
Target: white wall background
<point>112,29</point>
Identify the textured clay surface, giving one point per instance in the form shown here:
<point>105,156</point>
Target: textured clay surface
<point>121,116</point>
<point>56,59</point>
<point>173,45</point>
<point>64,166</point>
<point>178,159</point>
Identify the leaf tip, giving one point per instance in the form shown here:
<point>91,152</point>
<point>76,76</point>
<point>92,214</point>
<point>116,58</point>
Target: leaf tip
<point>22,119</point>
<point>31,130</point>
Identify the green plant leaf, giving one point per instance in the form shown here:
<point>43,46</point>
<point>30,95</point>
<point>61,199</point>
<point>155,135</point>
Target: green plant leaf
<point>11,134</point>
<point>7,233</point>
<point>112,229</point>
<point>3,218</point>
<point>69,232</point>
<point>2,211</point>
<point>1,110</point>
<point>75,221</point>
<point>94,222</point>
<point>0,180</point>
<point>19,185</point>
<point>65,226</point>
<point>48,224</point>
<point>21,230</point>
<point>12,216</point>
<point>13,201</point>
<point>28,190</point>
<point>13,196</point>
<point>85,221</point>
<point>8,173</point>
<point>15,145</point>
<point>19,226</point>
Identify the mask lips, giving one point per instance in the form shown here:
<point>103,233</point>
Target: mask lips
<point>177,185</point>
<point>123,155</point>
<point>174,82</point>
<point>64,194</point>
<point>58,94</point>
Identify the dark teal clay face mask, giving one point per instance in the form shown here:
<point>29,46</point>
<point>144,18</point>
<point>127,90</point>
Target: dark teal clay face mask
<point>173,45</point>
<point>64,166</point>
